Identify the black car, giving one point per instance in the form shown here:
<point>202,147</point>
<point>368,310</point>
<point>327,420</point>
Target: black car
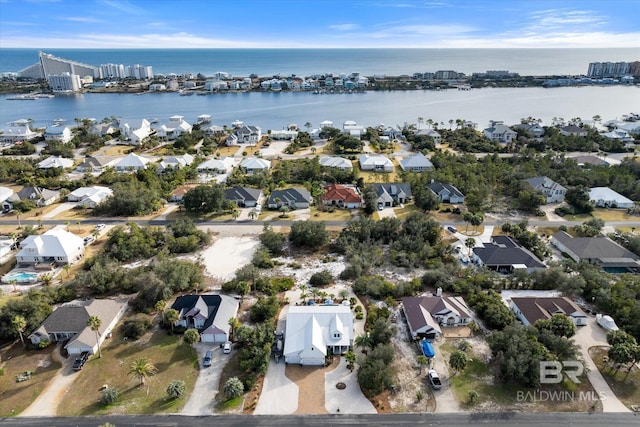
<point>80,361</point>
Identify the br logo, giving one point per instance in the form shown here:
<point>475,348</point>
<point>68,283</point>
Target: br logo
<point>551,371</point>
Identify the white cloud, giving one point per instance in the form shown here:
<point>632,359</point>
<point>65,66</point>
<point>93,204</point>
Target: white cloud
<point>80,19</point>
<point>124,6</point>
<point>152,40</point>
<point>550,19</point>
<point>344,27</point>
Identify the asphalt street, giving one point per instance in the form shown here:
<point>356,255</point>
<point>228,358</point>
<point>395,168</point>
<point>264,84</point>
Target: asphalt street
<point>526,419</point>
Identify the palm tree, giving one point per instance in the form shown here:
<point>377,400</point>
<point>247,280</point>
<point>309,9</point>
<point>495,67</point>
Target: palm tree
<point>46,279</point>
<point>253,214</point>
<point>18,212</point>
<point>94,323</point>
<point>171,316</point>
<point>364,341</point>
<point>78,225</point>
<point>308,125</point>
<point>160,306</point>
<point>235,324</point>
<point>66,269</point>
<point>344,294</point>
<point>142,369</point>
<point>19,323</point>
<point>235,212</point>
<point>284,209</point>
<point>470,243</point>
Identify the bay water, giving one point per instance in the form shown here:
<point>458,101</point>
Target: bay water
<point>277,110</point>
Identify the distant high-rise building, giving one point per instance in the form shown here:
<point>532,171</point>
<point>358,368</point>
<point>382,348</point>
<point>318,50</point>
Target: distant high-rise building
<point>64,82</point>
<point>52,65</point>
<point>608,69</point>
<point>112,71</point>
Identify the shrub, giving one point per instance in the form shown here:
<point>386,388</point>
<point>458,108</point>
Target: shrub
<point>136,327</point>
<point>233,388</point>
<point>322,278</point>
<point>109,396</point>
<point>262,258</point>
<point>176,389</point>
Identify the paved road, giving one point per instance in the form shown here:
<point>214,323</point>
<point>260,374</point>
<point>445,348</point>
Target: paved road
<point>451,420</point>
<point>10,220</point>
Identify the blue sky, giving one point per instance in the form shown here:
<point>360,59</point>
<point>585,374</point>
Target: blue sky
<point>319,23</point>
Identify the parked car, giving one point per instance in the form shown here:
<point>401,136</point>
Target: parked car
<point>226,348</point>
<point>99,227</point>
<point>208,356</point>
<point>434,379</point>
<point>452,229</point>
<point>88,240</point>
<point>80,361</point>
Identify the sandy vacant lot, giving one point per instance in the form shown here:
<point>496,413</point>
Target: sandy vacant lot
<point>228,254</point>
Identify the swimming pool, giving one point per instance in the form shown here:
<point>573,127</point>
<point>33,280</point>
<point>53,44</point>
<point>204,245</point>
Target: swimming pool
<point>20,277</point>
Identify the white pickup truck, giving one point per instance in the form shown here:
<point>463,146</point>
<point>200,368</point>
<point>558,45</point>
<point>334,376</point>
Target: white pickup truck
<point>434,379</point>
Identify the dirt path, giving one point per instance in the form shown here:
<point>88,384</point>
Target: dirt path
<point>47,403</point>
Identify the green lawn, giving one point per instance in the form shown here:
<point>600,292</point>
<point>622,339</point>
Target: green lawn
<point>402,213</point>
<point>625,385</point>
<point>336,215</point>
<point>173,359</point>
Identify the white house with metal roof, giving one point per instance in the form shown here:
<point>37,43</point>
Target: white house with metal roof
<point>175,127</point>
<point>553,192</point>
<point>16,131</point>
<point>255,164</point>
<point>135,131</point>
<point>131,163</point>
<point>336,162</point>
<point>90,197</point>
<point>53,162</point>
<point>375,162</point>
<point>58,133</point>
<point>56,246</point>
<point>216,166</point>
<point>312,331</point>
<point>604,197</point>
<point>416,163</point>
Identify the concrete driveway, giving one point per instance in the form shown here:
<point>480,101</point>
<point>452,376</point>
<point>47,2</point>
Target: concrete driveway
<point>279,394</point>
<point>63,207</point>
<point>202,398</point>
<point>387,213</point>
<point>47,403</point>
<point>347,401</point>
<point>445,400</point>
<point>588,336</point>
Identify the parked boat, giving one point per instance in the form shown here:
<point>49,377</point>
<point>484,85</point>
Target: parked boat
<point>427,348</point>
